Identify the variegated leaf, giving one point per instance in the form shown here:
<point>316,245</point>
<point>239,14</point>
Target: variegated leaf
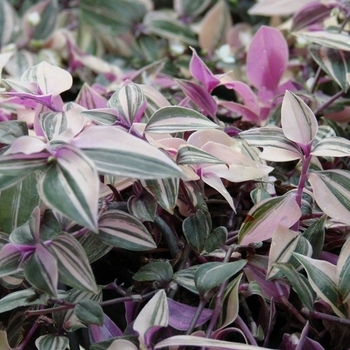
<point>165,191</point>
<point>50,341</point>
<point>9,23</point>
<point>188,154</point>
<point>322,276</point>
<point>120,229</point>
<point>331,190</point>
<point>10,259</point>
<point>70,186</point>
<point>299,123</point>
<point>284,242</point>
<point>11,130</point>
<point>41,270</point>
<point>185,278</point>
<point>154,314</point>
<point>102,116</point>
<point>190,8</point>
<point>332,147</point>
<point>130,103</point>
<point>343,272</point>
<point>264,217</point>
<point>115,152</point>
<point>20,164</point>
<point>334,62</point>
<point>89,312</point>
<point>334,40</point>
<point>276,147</point>
<point>173,119</point>
<point>73,264</point>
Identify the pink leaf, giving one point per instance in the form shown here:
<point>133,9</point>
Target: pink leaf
<point>267,58</point>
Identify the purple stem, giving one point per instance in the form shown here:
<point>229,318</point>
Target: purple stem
<point>29,335</point>
<point>241,324</point>
<point>322,316</point>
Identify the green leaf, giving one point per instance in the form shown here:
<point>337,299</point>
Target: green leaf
<point>343,272</point>
<point>10,260</point>
<point>11,130</point>
<point>322,275</point>
<point>334,62</point>
<point>115,152</point>
<point>277,147</point>
<point>41,270</point>
<point>190,8</point>
<point>20,164</point>
<point>50,341</point>
<point>102,116</point>
<point>161,272</point>
<point>144,208</point>
<point>165,191</point>
<point>120,229</point>
<point>216,239</point>
<point>188,154</point>
<point>315,234</point>
<point>299,283</point>
<point>185,278</point>
<point>8,23</point>
<point>89,312</point>
<point>332,147</point>
<point>154,313</point>
<point>264,217</point>
<point>299,123</point>
<point>71,187</point>
<point>172,119</point>
<point>211,274</point>
<point>196,229</point>
<point>331,190</point>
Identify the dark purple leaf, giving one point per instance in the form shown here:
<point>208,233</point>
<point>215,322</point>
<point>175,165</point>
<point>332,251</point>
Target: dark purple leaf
<point>241,110</point>
<point>107,331</point>
<point>181,315</point>
<point>267,58</point>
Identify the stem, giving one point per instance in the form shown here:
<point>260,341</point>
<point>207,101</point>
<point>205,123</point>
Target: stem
<point>28,337</point>
<point>241,324</point>
<point>329,102</point>
<point>196,316</point>
<point>322,316</point>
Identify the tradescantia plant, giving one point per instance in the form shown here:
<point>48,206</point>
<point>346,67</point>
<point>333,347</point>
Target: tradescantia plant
<point>167,183</point>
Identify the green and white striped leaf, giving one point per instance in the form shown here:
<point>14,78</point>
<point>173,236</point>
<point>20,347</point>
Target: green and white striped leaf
<point>211,274</point>
<point>188,154</point>
<point>73,264</point>
<point>159,271</point>
<point>11,130</point>
<point>143,208</point>
<point>160,23</point>
<point>50,341</point>
<point>315,234</point>
<point>102,116</point>
<point>230,305</point>
<point>338,41</point>
<point>53,123</point>
<point>299,123</point>
<point>172,119</point>
<point>322,277</point>
<point>196,229</point>
<point>165,191</point>
<point>10,260</point>
<point>129,101</point>
<point>276,147</point>
<point>343,272</point>
<point>264,217</point>
<point>334,62</point>
<point>331,190</point>
<point>70,186</point>
<point>115,152</point>
<point>20,164</point>
<point>191,340</point>
<point>185,278</point>
<point>299,283</point>
<point>122,230</point>
<point>41,270</point>
<point>284,242</point>
<point>9,23</point>
<point>154,314</point>
<point>89,312</point>
<point>190,8</point>
<point>332,147</point>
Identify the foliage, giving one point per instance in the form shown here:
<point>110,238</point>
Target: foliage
<point>169,183</point>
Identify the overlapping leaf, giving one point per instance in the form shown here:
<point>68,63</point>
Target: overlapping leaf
<point>49,341</point>
<point>343,271</point>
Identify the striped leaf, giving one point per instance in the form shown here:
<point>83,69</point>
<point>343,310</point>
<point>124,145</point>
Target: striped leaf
<point>70,186</point>
<point>172,119</point>
<point>115,152</point>
<point>230,306</point>
<point>188,154</point>
<point>120,229</point>
<point>315,234</point>
<point>20,164</point>
<point>190,8</point>
<point>159,271</point>
<point>211,274</point>
<point>299,123</point>
<point>264,217</point>
<point>122,344</point>
<point>9,23</point>
<point>334,62</point>
<point>284,242</point>
<point>49,342</point>
<point>185,278</point>
<point>11,130</point>
<point>89,312</point>
<point>165,191</point>
<point>41,270</point>
<point>102,116</point>
<point>322,276</point>
<point>331,190</point>
<point>299,283</point>
<point>10,259</point>
<point>332,147</point>
<point>343,272</point>
<point>129,102</point>
<point>275,144</point>
<point>143,207</point>
<point>338,41</point>
<point>73,264</point>
<point>154,314</point>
